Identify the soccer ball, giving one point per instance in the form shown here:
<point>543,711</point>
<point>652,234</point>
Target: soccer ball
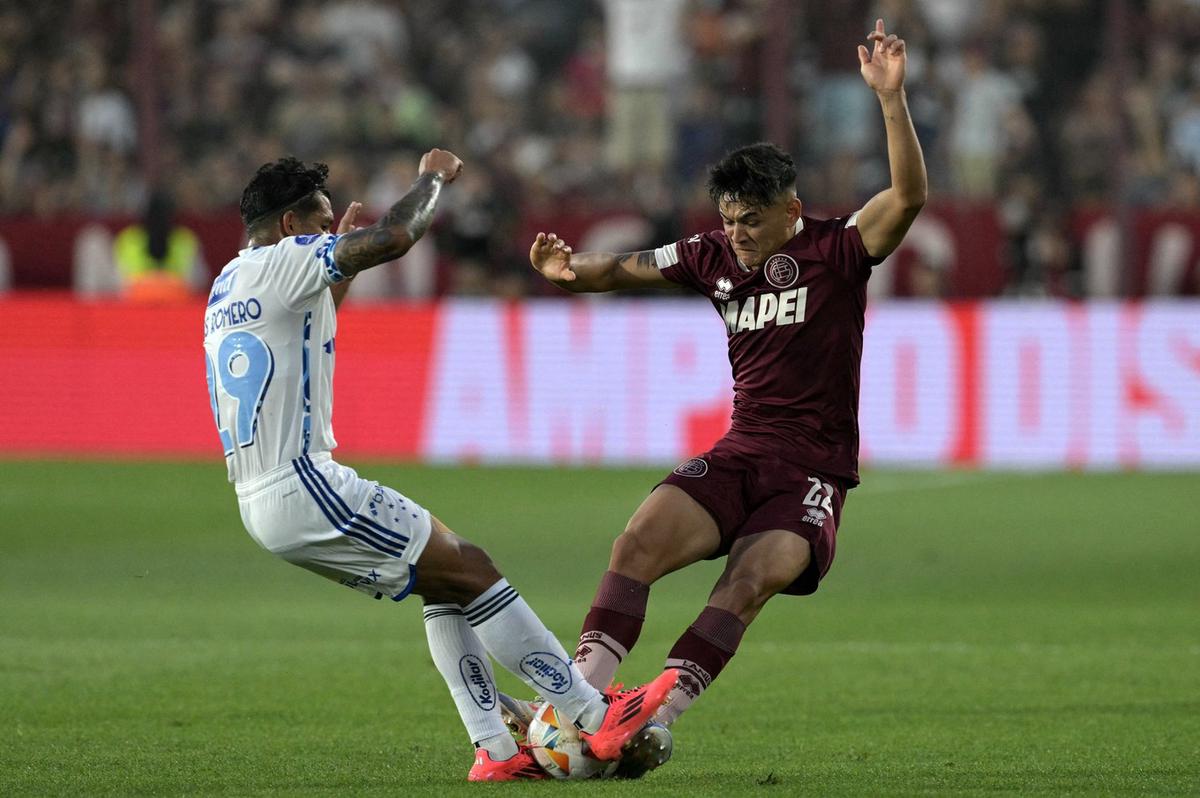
<point>558,749</point>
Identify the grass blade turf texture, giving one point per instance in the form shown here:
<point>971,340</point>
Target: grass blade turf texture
<point>978,634</point>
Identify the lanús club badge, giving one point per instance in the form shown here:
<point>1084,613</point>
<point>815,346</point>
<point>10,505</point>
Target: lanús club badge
<point>696,467</point>
<point>781,271</point>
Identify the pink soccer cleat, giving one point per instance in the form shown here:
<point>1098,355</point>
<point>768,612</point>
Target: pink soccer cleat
<point>520,766</point>
<point>627,714</point>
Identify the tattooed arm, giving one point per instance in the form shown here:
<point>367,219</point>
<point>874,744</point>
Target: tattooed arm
<point>404,223</point>
<point>586,272</point>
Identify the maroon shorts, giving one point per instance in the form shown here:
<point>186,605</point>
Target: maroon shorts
<point>751,492</point>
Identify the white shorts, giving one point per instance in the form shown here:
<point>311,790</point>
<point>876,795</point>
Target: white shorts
<point>322,516</point>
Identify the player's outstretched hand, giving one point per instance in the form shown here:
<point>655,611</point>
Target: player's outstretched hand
<point>349,221</point>
<point>883,66</point>
<point>443,162</point>
<point>551,256</point>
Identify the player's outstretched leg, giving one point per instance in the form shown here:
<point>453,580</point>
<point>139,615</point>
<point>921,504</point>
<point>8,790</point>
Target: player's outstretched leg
<point>668,531</point>
<point>519,641</point>
<point>699,655</point>
<point>466,668</point>
<point>611,627</point>
<point>456,572</point>
<point>759,567</point>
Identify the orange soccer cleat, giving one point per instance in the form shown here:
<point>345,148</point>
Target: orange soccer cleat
<point>627,714</point>
<point>520,766</point>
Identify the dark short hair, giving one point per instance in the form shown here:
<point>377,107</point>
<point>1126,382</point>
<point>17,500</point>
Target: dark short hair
<point>755,175</point>
<point>281,185</point>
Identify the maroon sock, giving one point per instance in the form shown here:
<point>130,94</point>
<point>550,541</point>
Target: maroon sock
<point>700,655</point>
<point>611,627</point>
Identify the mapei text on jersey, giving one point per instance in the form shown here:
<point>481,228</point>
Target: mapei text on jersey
<point>753,312</point>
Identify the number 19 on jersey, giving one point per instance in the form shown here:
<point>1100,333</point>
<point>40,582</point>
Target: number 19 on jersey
<point>237,384</point>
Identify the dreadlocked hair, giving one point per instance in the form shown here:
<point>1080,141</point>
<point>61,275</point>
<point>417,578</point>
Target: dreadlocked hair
<point>754,175</point>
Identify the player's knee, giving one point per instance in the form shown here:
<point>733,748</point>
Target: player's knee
<point>636,554</point>
<point>743,594</point>
<point>468,574</point>
<point>478,571</point>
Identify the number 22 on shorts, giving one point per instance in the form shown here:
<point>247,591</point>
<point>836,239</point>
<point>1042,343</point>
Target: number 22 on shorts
<point>814,497</point>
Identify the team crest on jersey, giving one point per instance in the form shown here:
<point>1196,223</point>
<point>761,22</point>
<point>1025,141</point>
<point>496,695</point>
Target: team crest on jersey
<point>724,288</point>
<point>781,271</point>
<point>696,467</point>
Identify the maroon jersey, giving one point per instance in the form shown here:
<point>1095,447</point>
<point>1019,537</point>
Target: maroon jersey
<point>795,330</point>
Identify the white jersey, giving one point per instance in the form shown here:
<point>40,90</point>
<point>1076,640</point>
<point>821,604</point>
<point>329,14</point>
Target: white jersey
<point>268,348</point>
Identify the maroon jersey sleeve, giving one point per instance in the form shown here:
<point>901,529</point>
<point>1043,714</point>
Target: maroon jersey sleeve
<point>839,241</point>
<point>690,261</point>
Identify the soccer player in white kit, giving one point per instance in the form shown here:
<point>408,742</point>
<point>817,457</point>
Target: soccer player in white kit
<point>269,345</point>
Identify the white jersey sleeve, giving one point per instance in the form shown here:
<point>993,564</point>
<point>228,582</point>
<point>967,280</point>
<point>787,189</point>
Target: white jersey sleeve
<point>304,266</point>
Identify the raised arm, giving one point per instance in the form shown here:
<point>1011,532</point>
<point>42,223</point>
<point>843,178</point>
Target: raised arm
<point>404,223</point>
<point>590,272</point>
<point>887,216</point>
<point>348,224</point>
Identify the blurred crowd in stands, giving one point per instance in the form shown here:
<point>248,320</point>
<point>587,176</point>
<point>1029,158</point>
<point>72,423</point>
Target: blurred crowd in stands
<point>1039,107</point>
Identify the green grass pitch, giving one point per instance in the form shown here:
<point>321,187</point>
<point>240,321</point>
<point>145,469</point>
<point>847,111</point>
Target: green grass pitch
<point>979,634</point>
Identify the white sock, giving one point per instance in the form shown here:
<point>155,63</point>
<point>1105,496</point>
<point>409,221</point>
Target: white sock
<point>513,634</point>
<point>598,656</point>
<point>500,746</point>
<point>463,663</point>
<point>691,682</point>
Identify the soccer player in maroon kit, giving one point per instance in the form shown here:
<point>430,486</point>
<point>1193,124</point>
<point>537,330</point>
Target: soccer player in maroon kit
<point>791,291</point>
